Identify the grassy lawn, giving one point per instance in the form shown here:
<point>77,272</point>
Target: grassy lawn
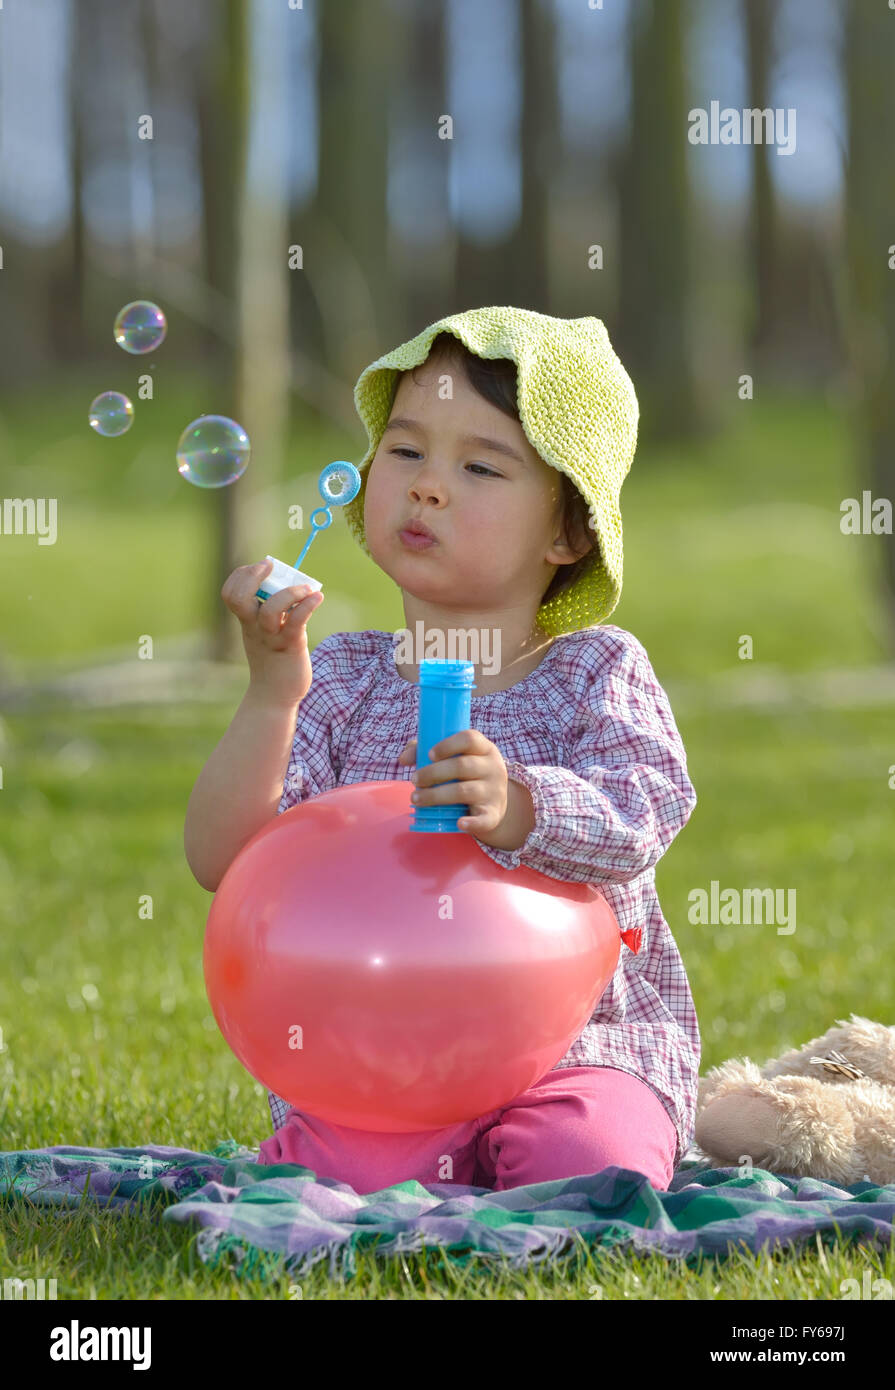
<point>738,536</point>
<point>110,1040</point>
<point>108,1037</point>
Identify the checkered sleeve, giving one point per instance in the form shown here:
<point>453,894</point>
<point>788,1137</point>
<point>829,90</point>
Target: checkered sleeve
<point>612,812</point>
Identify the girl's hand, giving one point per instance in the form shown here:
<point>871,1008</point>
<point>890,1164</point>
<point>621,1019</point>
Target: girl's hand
<point>481,779</point>
<point>274,633</point>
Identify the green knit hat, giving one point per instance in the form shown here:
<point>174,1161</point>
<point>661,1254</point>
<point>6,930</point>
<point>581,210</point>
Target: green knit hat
<point>579,411</point>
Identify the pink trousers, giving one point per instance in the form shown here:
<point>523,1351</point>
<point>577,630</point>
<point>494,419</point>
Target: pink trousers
<point>573,1121</point>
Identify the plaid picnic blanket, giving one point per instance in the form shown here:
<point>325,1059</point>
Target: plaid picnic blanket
<point>259,1219</point>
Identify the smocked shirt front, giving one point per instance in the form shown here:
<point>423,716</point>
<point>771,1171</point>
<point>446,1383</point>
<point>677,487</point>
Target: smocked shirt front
<point>591,734</point>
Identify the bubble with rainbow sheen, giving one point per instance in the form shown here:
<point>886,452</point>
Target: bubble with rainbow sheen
<point>111,413</point>
<point>140,326</point>
<point>213,451</point>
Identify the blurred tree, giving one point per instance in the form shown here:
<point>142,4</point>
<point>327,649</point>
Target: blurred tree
<point>428,264</point>
<point>653,332</point>
<point>870,252</point>
<point>346,230</point>
<point>263,337</point>
<point>764,245</point>
<point>223,105</point>
<point>67,286</point>
<point>486,268</point>
<point>793,334</point>
<point>306,328</point>
<point>540,156</point>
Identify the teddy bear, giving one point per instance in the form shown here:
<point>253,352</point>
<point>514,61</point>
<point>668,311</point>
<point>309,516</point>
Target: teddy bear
<point>825,1110</point>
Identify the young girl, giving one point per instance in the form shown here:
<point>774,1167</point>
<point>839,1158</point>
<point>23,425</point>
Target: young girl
<point>505,435</point>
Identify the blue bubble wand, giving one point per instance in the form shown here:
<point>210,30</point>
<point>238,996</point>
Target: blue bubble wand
<point>283,576</point>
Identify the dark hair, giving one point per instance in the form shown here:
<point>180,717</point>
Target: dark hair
<point>495,379</point>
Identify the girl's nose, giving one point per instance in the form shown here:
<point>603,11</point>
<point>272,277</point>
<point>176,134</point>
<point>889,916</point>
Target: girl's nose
<point>426,488</point>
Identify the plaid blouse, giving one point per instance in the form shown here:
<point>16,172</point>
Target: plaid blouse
<point>591,734</point>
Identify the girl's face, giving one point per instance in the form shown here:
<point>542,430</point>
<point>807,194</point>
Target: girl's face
<point>468,472</point>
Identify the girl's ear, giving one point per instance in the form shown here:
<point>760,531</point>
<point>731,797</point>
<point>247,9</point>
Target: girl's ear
<point>575,541</point>
<point>583,535</point>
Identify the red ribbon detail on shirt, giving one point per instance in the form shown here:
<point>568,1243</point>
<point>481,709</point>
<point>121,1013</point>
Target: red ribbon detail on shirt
<point>632,937</point>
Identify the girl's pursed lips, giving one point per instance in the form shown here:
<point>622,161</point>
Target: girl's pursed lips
<point>416,523</point>
<point>416,540</point>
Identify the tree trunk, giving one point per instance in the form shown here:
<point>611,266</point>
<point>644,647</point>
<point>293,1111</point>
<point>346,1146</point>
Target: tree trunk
<point>428,260</point>
<point>346,247</point>
<point>655,226</point>
<point>263,333</point>
<point>223,124</point>
<point>870,250</point>
<point>531,242</point>
<point>486,265</point>
<point>764,248</point>
<point>67,292</point>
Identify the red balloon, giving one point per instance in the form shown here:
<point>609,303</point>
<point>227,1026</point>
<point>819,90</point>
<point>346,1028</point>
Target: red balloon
<point>389,980</point>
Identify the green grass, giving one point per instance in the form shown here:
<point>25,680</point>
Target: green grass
<point>107,1035</point>
<point>739,535</point>
<point>94,1255</point>
<point>136,1056</point>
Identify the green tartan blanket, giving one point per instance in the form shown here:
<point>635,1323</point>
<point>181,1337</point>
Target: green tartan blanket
<point>262,1219</point>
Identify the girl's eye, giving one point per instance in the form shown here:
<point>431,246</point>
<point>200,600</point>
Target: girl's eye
<point>488,472</point>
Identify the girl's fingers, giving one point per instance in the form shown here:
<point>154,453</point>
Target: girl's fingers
<point>238,591</point>
<point>277,611</point>
<point>408,751</point>
<point>313,600</point>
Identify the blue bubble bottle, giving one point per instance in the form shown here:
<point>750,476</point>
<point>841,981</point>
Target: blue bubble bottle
<point>444,710</point>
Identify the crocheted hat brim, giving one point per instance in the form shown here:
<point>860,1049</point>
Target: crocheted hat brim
<point>578,409</point>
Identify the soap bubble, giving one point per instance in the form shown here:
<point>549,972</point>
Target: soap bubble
<point>213,451</point>
<point>111,414</point>
<point>140,326</point>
